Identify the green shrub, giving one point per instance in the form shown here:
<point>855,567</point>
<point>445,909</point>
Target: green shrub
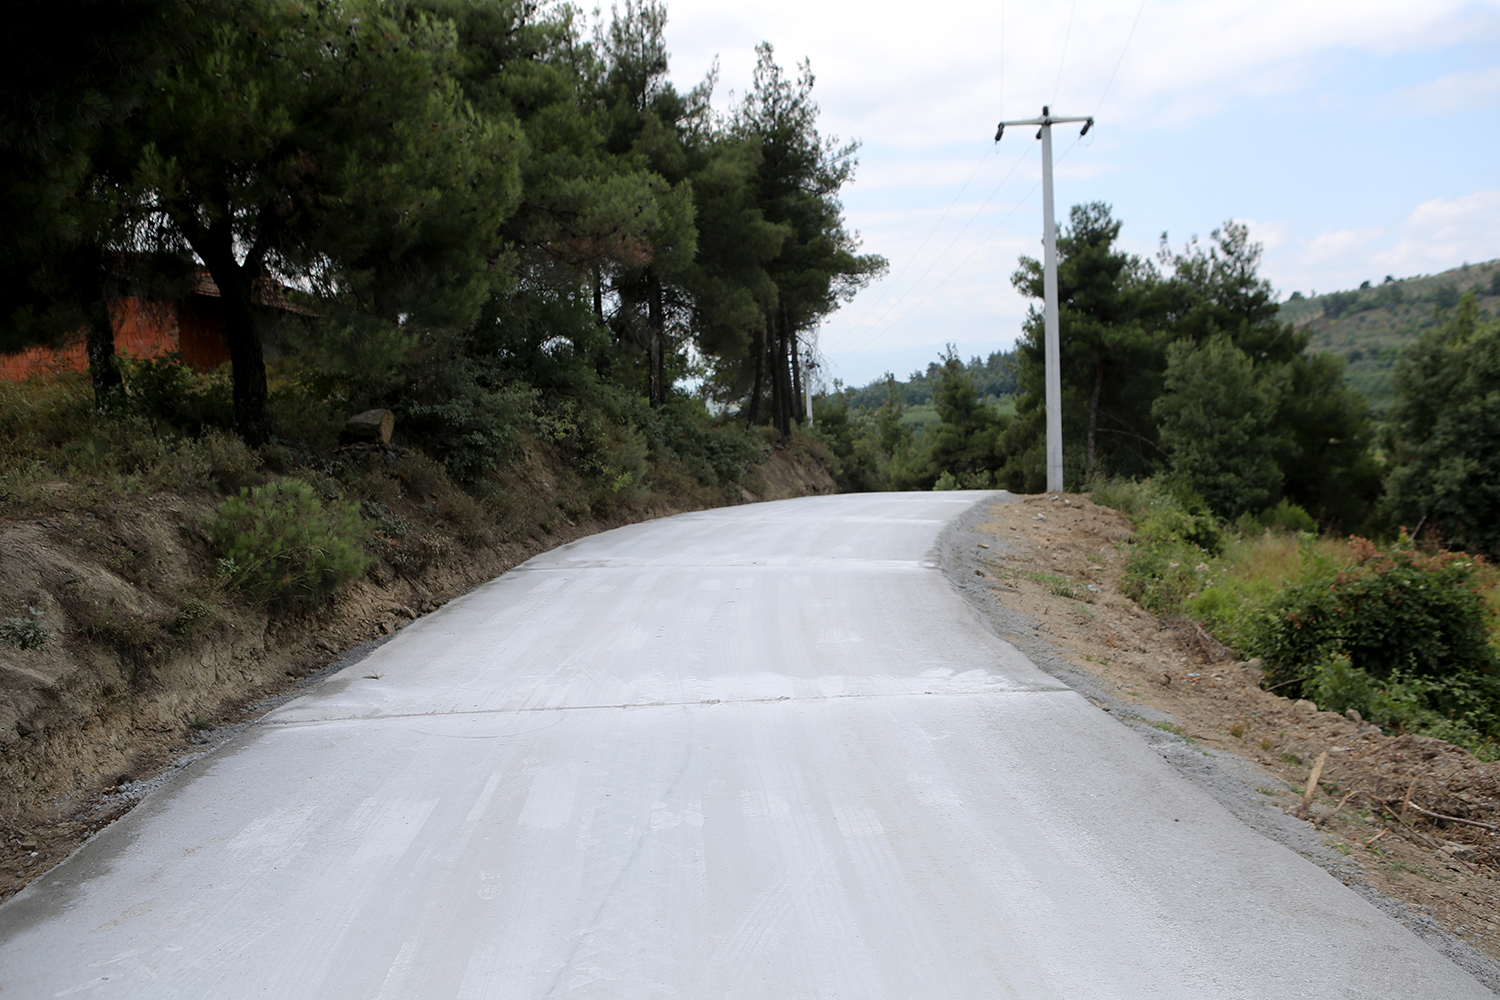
<point>1401,635</point>
<point>1404,610</point>
<point>1286,516</point>
<point>1463,709</point>
<point>167,390</point>
<point>467,415</point>
<point>25,631</point>
<point>1176,539</point>
<point>280,542</point>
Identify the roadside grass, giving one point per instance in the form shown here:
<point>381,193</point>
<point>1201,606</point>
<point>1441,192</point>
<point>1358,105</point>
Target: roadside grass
<point>1314,609</point>
<point>1055,585</point>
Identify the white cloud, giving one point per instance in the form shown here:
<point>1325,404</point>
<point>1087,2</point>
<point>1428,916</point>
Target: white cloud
<point>1434,236</point>
<point>1271,236</point>
<point>924,87</point>
<point>1338,244</point>
<point>1440,234</point>
<point>1474,88</point>
<point>886,70</point>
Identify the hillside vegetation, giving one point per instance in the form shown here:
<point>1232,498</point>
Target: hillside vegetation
<point>1345,549</point>
<point>495,224</point>
<point>1368,326</point>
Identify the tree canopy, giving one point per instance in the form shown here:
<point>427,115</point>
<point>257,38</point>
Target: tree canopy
<point>488,186</point>
<point>1446,468</point>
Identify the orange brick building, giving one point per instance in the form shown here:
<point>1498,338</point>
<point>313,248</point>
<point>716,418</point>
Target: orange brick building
<point>148,328</point>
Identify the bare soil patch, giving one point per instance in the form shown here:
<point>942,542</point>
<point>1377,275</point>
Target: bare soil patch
<point>1419,818</point>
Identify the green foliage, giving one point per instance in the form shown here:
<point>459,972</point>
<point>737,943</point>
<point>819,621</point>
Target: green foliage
<point>1402,635</point>
<point>1176,538</point>
<point>1396,610</point>
<point>50,429</point>
<point>25,631</point>
<point>1323,443</point>
<point>1378,322</point>
<point>1445,473</point>
<point>965,443</point>
<point>280,542</point>
<point>1109,315</point>
<point>1462,709</point>
<point>166,390</point>
<point>1191,369</point>
<point>190,617</point>
<point>1215,416</point>
<point>1287,516</point>
<point>467,416</point>
<point>1405,637</point>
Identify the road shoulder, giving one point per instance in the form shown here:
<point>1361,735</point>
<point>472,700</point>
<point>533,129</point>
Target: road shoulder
<point>1042,572</point>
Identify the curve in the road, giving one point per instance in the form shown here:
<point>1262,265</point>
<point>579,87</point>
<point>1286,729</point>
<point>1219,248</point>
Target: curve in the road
<point>756,752</point>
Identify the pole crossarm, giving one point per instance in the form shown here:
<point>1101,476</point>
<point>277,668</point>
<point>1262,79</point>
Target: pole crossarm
<point>1046,119</point>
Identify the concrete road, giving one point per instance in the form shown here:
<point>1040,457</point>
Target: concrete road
<point>756,752</point>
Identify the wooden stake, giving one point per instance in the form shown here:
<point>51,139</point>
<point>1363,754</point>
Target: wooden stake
<point>1336,809</point>
<point>1312,780</point>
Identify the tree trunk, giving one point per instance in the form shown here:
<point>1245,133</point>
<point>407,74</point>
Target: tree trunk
<point>93,288</point>
<point>599,294</point>
<point>758,388</point>
<point>782,380</point>
<point>1094,410</point>
<point>656,320</point>
<point>237,313</point>
<point>99,335</point>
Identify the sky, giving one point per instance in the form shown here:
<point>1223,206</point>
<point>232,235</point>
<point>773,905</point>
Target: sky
<point>1355,139</point>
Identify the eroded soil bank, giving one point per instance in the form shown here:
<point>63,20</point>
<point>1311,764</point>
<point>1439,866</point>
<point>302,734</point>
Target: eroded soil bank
<point>1413,823</point>
<point>146,661</point>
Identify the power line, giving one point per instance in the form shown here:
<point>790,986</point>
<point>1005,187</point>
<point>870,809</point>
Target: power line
<point>1024,201</point>
<point>1063,59</point>
<point>855,344</point>
<point>885,290</point>
<point>1123,49</point>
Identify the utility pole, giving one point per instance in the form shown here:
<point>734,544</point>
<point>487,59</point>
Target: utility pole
<point>807,389</point>
<point>1049,292</point>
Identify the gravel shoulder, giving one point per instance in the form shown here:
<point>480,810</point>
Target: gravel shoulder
<point>1408,822</point>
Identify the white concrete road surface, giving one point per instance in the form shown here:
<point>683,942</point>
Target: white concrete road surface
<point>757,752</point>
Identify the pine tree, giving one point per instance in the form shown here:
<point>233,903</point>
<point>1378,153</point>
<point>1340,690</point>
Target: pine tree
<point>326,144</point>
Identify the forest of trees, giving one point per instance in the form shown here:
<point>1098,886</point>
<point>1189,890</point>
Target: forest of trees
<point>477,201</point>
<point>490,212</point>
<point>1181,366</point>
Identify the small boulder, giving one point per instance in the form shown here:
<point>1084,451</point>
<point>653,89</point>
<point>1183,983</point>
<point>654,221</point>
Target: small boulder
<point>1305,706</point>
<point>371,425</point>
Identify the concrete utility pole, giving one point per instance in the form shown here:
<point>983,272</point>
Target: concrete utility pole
<point>807,389</point>
<point>1049,292</point>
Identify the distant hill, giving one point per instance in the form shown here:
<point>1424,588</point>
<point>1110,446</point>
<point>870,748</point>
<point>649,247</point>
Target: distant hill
<point>1369,325</point>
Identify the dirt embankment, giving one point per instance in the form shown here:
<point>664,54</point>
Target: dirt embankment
<point>1416,819</point>
<point>143,655</point>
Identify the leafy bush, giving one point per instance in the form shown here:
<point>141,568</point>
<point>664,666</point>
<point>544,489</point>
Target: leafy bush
<point>279,542</point>
<point>1401,610</point>
<point>1287,516</point>
<point>469,421</point>
<point>167,390</point>
<point>1464,709</point>
<point>25,631</point>
<point>1401,635</point>
<point>1251,570</point>
<point>1175,541</point>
